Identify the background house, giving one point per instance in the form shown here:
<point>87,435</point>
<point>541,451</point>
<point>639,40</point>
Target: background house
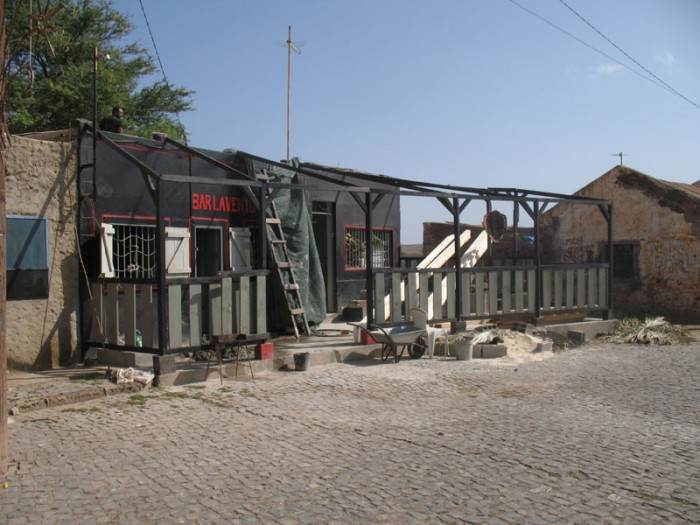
<point>656,249</point>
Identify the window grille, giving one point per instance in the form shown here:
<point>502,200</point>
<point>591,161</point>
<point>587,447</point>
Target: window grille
<point>356,248</point>
<point>134,251</point>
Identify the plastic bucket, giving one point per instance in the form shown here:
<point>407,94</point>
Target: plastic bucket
<point>301,361</point>
<point>462,349</point>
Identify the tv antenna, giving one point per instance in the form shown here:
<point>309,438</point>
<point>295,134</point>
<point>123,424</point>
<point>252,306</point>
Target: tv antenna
<point>620,155</point>
<point>291,46</point>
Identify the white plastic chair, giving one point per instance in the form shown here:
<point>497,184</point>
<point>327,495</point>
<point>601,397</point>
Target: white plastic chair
<point>420,320</point>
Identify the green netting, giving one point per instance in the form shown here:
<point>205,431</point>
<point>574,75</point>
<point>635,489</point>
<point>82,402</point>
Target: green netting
<point>303,254</point>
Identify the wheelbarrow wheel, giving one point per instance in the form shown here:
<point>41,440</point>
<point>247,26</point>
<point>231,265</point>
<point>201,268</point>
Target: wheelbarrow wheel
<point>417,349</point>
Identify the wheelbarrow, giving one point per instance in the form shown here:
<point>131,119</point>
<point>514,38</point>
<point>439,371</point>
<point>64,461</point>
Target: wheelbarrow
<point>405,338</point>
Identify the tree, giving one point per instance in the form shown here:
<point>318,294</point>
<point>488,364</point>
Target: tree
<point>50,89</point>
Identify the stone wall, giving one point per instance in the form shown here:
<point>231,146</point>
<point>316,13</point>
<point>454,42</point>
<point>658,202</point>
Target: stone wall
<point>41,182</point>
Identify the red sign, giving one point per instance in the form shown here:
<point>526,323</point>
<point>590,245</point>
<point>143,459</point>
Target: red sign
<point>225,203</point>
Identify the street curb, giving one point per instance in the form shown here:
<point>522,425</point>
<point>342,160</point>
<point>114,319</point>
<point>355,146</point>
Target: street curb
<point>65,398</point>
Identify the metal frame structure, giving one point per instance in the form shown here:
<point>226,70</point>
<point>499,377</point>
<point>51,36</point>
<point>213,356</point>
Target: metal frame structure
<point>454,198</point>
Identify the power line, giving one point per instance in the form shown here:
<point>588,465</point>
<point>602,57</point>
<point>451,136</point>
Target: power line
<point>162,70</point>
<point>627,55</point>
<point>658,83</point>
<point>552,24</point>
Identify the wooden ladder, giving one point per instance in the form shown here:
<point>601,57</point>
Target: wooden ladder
<point>285,272</point>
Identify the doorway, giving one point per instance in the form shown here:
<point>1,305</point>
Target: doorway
<point>209,256</point>
<point>323,221</point>
<point>208,261</point>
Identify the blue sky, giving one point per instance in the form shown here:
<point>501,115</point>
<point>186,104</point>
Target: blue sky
<point>466,92</point>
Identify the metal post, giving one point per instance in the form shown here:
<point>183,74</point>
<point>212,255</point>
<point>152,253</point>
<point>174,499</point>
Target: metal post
<point>163,321</point>
<point>538,265</point>
<point>262,245</point>
<point>609,313</point>
<point>369,286</point>
<point>458,257</point>
<point>94,112</point>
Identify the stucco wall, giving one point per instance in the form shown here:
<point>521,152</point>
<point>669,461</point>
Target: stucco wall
<point>650,213</point>
<point>40,181</point>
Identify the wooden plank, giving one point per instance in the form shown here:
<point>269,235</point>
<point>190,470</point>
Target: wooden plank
<point>175,315</point>
<point>437,297</point>
<point>558,288</point>
<point>476,250</point>
<point>130,314</point>
<point>112,328</point>
<point>227,309</point>
<point>396,286</point>
<point>569,288</point>
<point>592,287</point>
<point>507,291</point>
<point>546,290</point>
<point>379,304</point>
<point>411,291</point>
<point>423,291</point>
<point>580,288</point>
<point>215,309</point>
<point>603,287</point>
<point>480,297</point>
<point>146,316</point>
<point>451,295</point>
<point>195,296</point>
<point>244,305</point>
<point>466,293</point>
<point>444,251</point>
<point>531,284</point>
<point>97,325</point>
<point>493,292</point>
<point>519,290</point>
<point>261,304</point>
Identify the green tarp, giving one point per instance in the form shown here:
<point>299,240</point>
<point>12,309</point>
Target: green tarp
<point>298,232</point>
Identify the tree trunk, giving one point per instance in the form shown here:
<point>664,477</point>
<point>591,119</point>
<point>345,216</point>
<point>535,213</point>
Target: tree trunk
<point>3,230</point>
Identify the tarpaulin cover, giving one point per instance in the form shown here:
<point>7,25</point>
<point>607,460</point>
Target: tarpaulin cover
<point>303,254</point>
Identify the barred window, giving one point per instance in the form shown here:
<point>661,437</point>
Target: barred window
<point>129,251</point>
<point>356,248</point>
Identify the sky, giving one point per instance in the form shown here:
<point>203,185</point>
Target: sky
<point>533,94</point>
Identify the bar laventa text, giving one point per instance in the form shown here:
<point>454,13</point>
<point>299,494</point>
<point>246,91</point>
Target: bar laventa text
<point>225,203</point>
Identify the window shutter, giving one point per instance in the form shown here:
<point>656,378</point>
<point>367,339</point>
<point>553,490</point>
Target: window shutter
<point>107,249</point>
<point>177,251</point>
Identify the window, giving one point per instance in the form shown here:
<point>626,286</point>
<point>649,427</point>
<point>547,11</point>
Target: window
<point>129,251</point>
<point>625,259</point>
<point>356,248</point>
<point>27,258</point>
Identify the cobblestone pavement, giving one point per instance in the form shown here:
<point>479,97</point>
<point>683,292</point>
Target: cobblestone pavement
<point>598,434</point>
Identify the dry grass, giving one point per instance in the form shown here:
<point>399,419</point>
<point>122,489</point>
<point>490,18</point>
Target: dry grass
<point>650,331</point>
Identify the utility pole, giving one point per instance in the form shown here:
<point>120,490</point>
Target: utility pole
<point>290,47</point>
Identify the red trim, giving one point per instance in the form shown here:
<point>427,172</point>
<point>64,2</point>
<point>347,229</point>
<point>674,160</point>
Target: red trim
<point>172,152</point>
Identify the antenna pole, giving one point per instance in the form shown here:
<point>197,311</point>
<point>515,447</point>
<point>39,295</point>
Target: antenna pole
<point>289,83</point>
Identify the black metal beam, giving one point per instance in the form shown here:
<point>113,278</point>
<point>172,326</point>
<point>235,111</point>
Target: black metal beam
<point>369,284</point>
<point>225,167</point>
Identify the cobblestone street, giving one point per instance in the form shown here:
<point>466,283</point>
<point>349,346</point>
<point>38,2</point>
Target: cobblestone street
<point>598,434</point>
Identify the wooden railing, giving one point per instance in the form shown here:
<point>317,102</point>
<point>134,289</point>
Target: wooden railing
<point>489,292</point>
<point>125,314</point>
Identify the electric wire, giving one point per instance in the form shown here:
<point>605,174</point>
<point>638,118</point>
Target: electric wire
<point>653,79</point>
<point>671,89</point>
<point>162,70</point>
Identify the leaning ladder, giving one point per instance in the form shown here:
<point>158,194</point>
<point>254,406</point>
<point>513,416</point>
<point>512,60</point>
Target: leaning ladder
<point>285,272</point>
